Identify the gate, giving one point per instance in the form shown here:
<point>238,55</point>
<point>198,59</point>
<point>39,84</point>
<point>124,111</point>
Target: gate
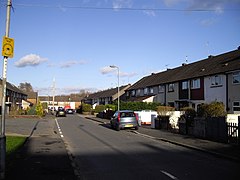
<point>233,132</point>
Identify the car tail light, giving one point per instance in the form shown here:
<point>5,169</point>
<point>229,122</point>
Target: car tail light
<point>136,115</point>
<point>118,117</point>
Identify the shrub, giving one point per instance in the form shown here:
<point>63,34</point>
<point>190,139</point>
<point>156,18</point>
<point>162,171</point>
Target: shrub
<point>32,110</point>
<point>214,109</point>
<point>163,109</point>
<point>138,106</point>
<point>112,107</point>
<point>86,107</point>
<point>39,109</point>
<point>189,112</point>
<point>99,108</point>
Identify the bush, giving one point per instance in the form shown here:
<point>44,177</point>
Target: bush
<point>32,110</point>
<point>214,109</point>
<point>189,112</point>
<point>86,107</point>
<point>138,106</point>
<point>163,109</point>
<point>99,108</point>
<point>39,109</point>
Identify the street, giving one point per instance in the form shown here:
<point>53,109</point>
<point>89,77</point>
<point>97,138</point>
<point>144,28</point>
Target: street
<point>98,152</point>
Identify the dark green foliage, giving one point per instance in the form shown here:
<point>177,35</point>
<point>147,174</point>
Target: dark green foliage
<point>99,108</point>
<point>138,106</point>
<point>86,107</point>
<point>214,109</point>
<point>189,112</point>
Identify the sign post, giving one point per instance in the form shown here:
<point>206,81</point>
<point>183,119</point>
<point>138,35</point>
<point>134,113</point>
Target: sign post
<point>7,51</point>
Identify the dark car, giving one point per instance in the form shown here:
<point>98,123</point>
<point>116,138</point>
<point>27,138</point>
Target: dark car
<point>124,119</point>
<point>70,111</point>
<point>60,112</point>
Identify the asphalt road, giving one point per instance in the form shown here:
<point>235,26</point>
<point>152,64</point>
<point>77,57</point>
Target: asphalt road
<point>98,152</point>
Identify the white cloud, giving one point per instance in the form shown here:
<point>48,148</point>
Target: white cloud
<point>126,74</point>
<point>68,64</point>
<point>117,4</point>
<point>106,70</point>
<point>30,60</point>
<point>208,22</point>
<point>214,5</point>
<point>149,13</point>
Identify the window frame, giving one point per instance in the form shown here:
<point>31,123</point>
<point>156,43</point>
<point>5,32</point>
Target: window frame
<point>185,85</point>
<point>236,106</point>
<point>171,87</point>
<point>216,80</point>
<point>236,75</point>
<point>195,83</point>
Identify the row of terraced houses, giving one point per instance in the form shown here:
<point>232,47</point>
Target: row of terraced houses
<point>216,78</point>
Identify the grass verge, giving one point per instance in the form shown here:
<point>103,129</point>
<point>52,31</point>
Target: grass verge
<point>13,143</point>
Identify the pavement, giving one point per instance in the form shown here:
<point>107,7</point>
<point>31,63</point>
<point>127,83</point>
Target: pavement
<point>44,154</point>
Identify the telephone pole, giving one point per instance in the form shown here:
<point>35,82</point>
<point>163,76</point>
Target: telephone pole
<point>4,87</point>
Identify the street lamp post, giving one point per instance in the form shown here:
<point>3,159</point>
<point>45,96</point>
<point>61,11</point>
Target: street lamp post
<point>116,67</point>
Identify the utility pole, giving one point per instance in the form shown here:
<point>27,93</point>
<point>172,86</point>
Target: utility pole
<point>53,95</point>
<point>4,87</point>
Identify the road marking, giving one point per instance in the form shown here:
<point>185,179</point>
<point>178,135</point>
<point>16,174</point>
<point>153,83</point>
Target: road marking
<point>169,175</point>
<point>59,129</point>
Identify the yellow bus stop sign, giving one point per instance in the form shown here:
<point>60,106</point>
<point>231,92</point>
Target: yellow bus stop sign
<point>7,47</point>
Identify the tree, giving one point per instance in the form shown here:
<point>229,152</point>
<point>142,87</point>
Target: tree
<point>27,87</point>
<point>39,109</point>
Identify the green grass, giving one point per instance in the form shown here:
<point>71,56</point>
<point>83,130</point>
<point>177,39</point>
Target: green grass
<point>13,143</point>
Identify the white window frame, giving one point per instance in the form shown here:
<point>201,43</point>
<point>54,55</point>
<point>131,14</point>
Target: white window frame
<point>236,76</point>
<point>171,87</point>
<point>145,91</point>
<point>236,104</point>
<point>133,93</point>
<point>151,90</point>
<point>216,80</point>
<point>195,83</point>
<point>138,92</point>
<point>161,88</point>
<point>185,85</point>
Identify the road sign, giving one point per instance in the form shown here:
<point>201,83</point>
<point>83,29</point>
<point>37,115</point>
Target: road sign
<point>7,47</point>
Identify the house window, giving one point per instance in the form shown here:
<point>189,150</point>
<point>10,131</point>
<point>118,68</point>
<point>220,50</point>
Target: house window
<point>145,90</point>
<point>138,92</point>
<point>236,78</point>
<point>195,84</point>
<point>216,80</point>
<point>127,93</point>
<point>151,90</point>
<point>133,93</point>
<point>161,88</point>
<point>170,87</point>
<point>184,85</point>
<point>236,106</point>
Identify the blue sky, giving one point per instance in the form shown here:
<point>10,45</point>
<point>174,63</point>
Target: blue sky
<point>75,41</point>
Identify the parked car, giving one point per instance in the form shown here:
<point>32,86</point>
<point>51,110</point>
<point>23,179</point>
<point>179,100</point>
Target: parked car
<point>124,119</point>
<point>69,111</point>
<point>60,112</point>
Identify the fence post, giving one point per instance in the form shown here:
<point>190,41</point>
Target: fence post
<point>238,139</point>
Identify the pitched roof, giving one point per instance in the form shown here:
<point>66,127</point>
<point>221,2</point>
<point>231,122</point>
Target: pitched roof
<point>13,88</point>
<point>106,93</point>
<point>222,63</point>
<point>62,98</point>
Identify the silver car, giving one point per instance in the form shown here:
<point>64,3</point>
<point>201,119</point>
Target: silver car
<point>124,119</point>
